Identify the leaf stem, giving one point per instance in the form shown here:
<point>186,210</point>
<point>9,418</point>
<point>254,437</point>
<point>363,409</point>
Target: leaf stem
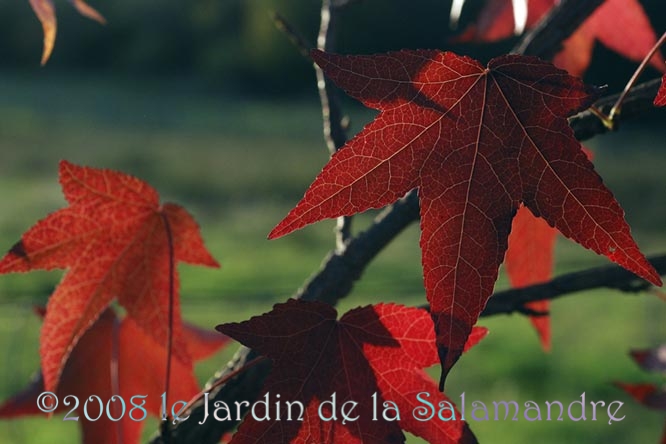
<point>615,110</point>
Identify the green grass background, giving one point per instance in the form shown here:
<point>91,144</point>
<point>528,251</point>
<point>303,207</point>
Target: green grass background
<point>239,165</point>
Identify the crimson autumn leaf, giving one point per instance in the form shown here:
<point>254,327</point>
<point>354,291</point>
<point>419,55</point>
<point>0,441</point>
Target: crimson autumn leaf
<point>116,240</point>
<point>495,21</point>
<point>529,260</point>
<point>378,349</point>
<point>45,12</point>
<point>141,370</point>
<point>477,142</point>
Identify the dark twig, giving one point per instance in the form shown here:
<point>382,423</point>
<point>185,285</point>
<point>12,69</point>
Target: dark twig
<point>545,39</point>
<point>607,276</point>
<point>617,107</point>
<point>636,103</point>
<point>295,37</point>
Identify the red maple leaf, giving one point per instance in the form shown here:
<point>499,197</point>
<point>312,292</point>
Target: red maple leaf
<point>529,260</point>
<point>45,12</point>
<point>477,142</point>
<point>660,100</point>
<point>116,240</point>
<point>495,21</point>
<point>141,367</point>
<point>373,354</point>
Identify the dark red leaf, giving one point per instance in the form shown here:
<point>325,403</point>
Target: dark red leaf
<point>378,349</point>
<point>477,142</point>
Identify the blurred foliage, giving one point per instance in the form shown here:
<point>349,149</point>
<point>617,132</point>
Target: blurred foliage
<point>232,45</point>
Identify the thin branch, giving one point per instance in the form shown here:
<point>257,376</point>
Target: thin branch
<point>341,269</point>
<point>607,276</point>
<point>545,39</point>
<point>636,103</point>
<point>334,131</point>
<point>295,37</point>
<point>615,110</point>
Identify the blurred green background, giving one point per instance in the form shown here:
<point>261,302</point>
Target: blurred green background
<point>211,105</point>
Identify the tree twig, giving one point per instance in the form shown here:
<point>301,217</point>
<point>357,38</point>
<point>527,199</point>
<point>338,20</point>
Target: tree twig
<point>334,132</point>
<point>295,37</point>
<point>607,276</point>
<point>636,103</point>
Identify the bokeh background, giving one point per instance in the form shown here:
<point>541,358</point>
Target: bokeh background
<point>213,106</point>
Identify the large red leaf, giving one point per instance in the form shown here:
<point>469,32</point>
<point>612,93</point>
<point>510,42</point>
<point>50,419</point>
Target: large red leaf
<point>141,367</point>
<point>477,142</point>
<point>378,349</point>
<point>116,240</point>
<point>495,21</point>
<point>45,12</point>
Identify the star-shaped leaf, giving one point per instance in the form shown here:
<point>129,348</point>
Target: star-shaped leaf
<point>116,240</point>
<point>373,354</point>
<point>477,142</point>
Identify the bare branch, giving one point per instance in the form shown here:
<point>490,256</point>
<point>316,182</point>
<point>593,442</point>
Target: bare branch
<point>607,276</point>
<point>334,131</point>
<point>295,37</point>
<point>639,101</point>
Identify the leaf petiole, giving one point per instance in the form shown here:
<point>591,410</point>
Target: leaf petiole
<point>609,120</point>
